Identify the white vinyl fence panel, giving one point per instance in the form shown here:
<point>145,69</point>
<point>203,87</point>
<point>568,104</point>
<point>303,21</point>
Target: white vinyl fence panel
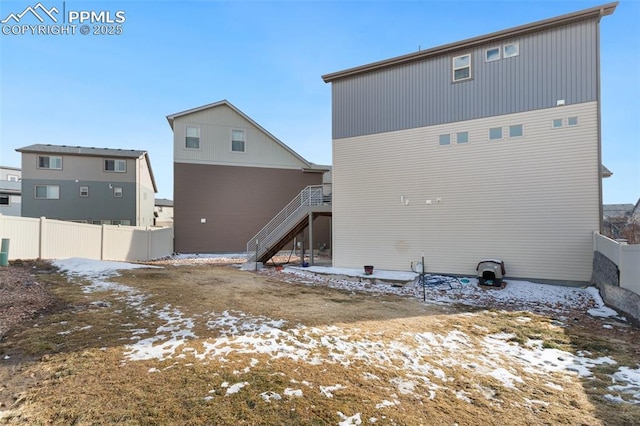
<point>61,240</point>
<point>43,238</point>
<point>625,256</point>
<point>23,234</point>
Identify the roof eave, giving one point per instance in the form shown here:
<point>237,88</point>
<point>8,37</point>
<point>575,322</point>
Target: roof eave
<point>594,12</point>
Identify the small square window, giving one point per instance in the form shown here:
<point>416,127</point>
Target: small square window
<point>4,200</point>
<point>117,191</point>
<point>118,166</point>
<point>84,191</point>
<point>462,67</point>
<point>492,54</point>
<point>516,131</point>
<point>572,121</point>
<point>495,133</point>
<point>192,139</point>
<point>510,50</point>
<point>237,141</point>
<point>556,123</point>
<point>444,139</point>
<point>13,178</point>
<point>462,137</point>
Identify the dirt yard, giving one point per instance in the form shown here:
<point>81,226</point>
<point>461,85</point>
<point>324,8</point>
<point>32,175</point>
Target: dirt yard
<point>209,344</point>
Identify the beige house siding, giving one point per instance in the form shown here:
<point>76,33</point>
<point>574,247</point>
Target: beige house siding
<point>216,125</point>
<point>146,193</point>
<point>532,201</point>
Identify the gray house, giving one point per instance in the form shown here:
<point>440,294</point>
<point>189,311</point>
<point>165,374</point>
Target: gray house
<point>88,185</point>
<point>483,148</point>
<point>10,191</point>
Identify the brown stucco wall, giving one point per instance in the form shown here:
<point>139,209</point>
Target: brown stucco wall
<point>236,203</point>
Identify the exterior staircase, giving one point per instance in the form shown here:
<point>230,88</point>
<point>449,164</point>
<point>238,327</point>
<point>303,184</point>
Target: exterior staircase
<point>289,222</point>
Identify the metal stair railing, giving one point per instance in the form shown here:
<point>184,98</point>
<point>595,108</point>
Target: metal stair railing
<point>287,217</point>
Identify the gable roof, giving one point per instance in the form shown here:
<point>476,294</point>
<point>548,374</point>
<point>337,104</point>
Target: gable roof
<point>591,13</point>
<point>90,152</point>
<point>308,166</point>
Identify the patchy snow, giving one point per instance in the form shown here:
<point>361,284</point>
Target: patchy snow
<point>627,382</point>
<point>348,421</point>
<point>235,388</point>
<point>416,361</point>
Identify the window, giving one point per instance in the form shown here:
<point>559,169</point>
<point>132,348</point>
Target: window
<point>237,141</point>
<point>13,178</point>
<point>119,166</point>
<point>516,130</point>
<point>47,192</point>
<point>492,54</point>
<point>49,162</point>
<point>125,222</point>
<point>556,123</point>
<point>510,50</point>
<point>84,191</point>
<point>495,133</point>
<point>462,68</point>
<point>444,139</point>
<point>462,137</point>
<point>96,222</point>
<point>4,200</point>
<point>572,121</point>
<point>117,191</point>
<point>192,139</point>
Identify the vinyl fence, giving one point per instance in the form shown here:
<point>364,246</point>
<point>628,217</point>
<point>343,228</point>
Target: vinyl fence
<point>626,257</point>
<point>31,238</point>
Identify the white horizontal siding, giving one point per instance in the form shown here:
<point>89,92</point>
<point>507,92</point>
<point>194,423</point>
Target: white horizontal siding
<point>216,125</point>
<point>531,201</point>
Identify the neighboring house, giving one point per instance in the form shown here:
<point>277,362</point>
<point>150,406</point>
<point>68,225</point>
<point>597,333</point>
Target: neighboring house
<point>622,221</point>
<point>163,212</point>
<point>483,148</point>
<point>10,191</point>
<point>231,177</point>
<point>89,185</point>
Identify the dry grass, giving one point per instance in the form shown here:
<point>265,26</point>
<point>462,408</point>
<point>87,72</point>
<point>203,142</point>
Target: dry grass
<point>81,374</point>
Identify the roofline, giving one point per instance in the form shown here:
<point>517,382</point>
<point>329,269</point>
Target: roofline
<point>594,12</point>
<point>153,178</point>
<point>116,152</point>
<point>171,117</point>
<point>133,154</point>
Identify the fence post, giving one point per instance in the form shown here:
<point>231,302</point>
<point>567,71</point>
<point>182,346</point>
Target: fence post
<point>41,236</point>
<point>148,244</point>
<point>102,242</point>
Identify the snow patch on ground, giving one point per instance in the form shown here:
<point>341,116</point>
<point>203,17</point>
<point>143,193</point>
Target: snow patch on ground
<point>423,357</point>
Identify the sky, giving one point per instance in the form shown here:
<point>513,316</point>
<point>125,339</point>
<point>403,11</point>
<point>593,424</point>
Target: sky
<point>266,58</point>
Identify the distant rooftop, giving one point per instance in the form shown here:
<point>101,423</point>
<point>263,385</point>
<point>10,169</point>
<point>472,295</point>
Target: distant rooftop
<point>82,150</point>
<point>164,202</point>
<point>617,210</point>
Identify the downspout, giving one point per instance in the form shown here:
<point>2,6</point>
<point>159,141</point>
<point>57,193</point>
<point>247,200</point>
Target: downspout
<point>599,112</point>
